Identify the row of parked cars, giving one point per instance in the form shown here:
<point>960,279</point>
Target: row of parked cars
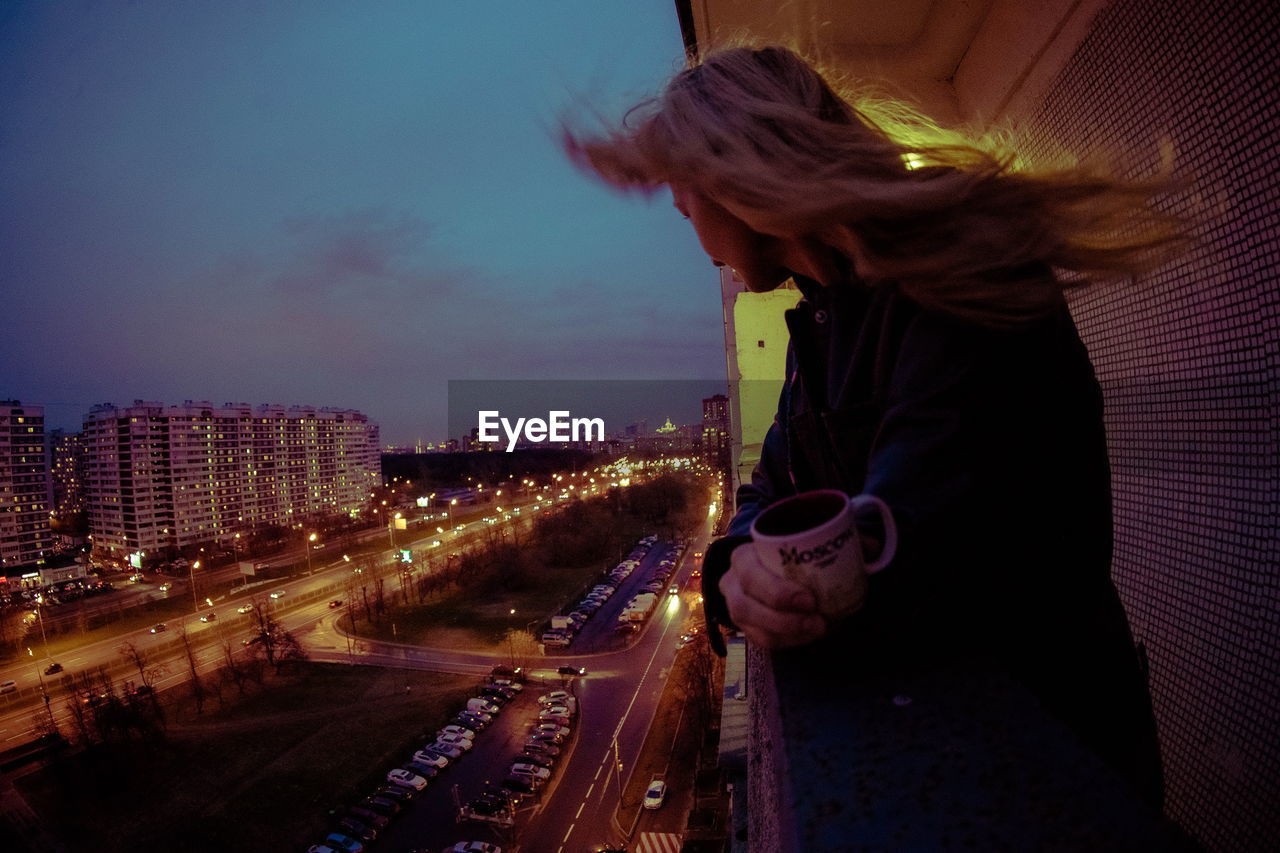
<point>361,823</point>
<point>564,628</point>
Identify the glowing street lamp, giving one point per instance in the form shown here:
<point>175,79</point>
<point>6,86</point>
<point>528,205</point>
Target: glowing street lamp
<point>191,573</point>
<point>307,544</point>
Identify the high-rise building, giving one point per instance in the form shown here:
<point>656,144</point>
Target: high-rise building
<point>716,440</point>
<point>66,469</point>
<point>25,538</point>
<point>162,477</point>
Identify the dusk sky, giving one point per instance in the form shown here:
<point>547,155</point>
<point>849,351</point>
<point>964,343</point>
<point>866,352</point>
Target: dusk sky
<point>332,204</point>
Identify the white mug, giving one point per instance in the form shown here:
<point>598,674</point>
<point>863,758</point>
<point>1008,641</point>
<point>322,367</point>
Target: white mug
<point>811,538</point>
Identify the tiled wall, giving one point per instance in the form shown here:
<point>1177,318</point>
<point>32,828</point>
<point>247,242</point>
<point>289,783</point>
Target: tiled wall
<point>1188,362</point>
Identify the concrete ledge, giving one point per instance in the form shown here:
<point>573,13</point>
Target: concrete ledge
<point>961,758</point>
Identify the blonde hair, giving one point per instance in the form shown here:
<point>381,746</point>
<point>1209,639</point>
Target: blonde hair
<point>963,226</point>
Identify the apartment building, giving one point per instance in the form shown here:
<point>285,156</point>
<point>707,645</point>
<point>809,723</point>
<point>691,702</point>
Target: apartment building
<point>162,477</point>
<point>25,538</point>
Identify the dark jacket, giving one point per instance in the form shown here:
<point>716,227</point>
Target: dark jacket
<point>989,447</point>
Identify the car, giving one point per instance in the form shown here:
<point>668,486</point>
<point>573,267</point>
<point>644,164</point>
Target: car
<point>159,627</point>
<point>548,737</point>
<point>141,690</point>
<point>541,747</point>
<point>470,721</point>
<point>463,743</point>
<point>425,770</point>
<point>655,795</point>
<point>395,793</point>
<point>431,758</point>
<point>400,776</point>
<point>506,672</point>
<point>335,604</point>
<point>542,774</point>
<point>245,608</point>
<point>553,727</point>
<point>461,731</point>
<point>344,842</point>
<point>536,758</point>
<point>353,827</point>
<point>322,848</point>
<point>509,684</point>
<point>555,711</point>
<point>559,720</point>
<point>279,593</point>
<point>369,817</point>
<point>136,578</point>
<point>673,590</point>
<point>209,617</point>
<point>473,847</point>
<point>555,697</point>
<point>53,669</point>
<point>518,784</point>
<point>572,670</point>
<point>449,751</point>
<point>166,586</point>
<point>383,806</point>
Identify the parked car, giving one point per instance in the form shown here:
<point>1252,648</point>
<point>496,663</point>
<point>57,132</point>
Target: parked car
<point>548,737</point>
<point>518,784</point>
<point>400,776</point>
<point>322,848</point>
<point>508,683</point>
<point>473,847</point>
<point>461,731</point>
<point>459,741</point>
<point>655,795</point>
<point>552,727</point>
<point>395,793</point>
<point>383,806</point>
<point>355,828</point>
<point>369,817</point>
<point>541,747</point>
<point>449,751</point>
<point>555,697</point>
<point>541,774</point>
<point>426,771</point>
<point>344,842</point>
<point>536,758</point>
<point>431,758</point>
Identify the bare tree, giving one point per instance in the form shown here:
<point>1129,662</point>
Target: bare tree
<point>198,690</point>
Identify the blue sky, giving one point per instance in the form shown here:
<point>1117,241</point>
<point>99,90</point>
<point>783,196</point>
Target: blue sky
<point>342,204</point>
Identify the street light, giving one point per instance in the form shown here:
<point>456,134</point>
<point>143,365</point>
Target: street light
<point>191,572</point>
<point>307,544</point>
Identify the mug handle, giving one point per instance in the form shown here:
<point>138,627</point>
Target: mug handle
<point>890,529</point>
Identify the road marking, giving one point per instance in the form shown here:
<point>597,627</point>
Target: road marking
<point>598,769</point>
<point>567,834</point>
<point>590,789</point>
<point>581,806</point>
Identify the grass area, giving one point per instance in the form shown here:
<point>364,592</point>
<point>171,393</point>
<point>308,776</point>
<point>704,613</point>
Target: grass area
<point>258,775</point>
<point>463,619</point>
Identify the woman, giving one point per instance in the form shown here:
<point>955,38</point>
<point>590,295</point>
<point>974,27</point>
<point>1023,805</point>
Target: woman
<point>933,363</point>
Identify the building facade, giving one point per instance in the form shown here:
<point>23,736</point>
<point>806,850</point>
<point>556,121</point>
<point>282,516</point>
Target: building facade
<point>163,477</point>
<point>66,455</point>
<point>25,538</point>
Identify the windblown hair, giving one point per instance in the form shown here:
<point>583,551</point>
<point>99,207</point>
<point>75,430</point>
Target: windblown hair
<point>960,225</point>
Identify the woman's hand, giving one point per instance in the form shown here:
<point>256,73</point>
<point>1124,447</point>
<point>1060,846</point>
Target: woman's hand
<point>771,610</point>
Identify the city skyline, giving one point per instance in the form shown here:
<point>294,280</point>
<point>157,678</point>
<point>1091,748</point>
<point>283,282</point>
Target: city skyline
<point>341,208</point>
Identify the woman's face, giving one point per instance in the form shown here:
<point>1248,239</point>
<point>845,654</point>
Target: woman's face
<point>755,257</point>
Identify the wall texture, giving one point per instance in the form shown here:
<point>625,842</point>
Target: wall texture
<point>1188,362</point>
